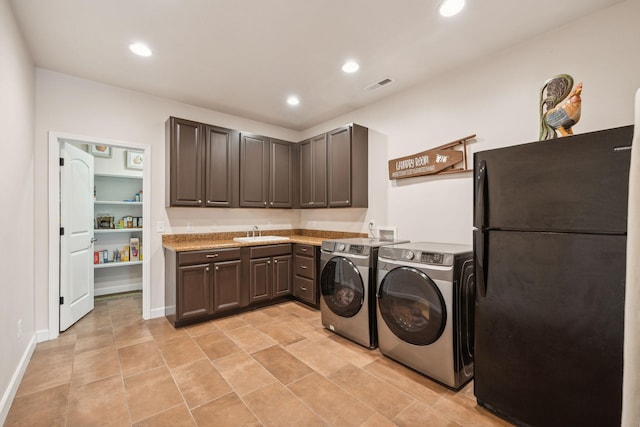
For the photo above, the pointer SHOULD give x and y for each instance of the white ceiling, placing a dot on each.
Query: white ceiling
(245, 57)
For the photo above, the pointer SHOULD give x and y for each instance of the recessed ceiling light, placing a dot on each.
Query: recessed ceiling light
(293, 100)
(140, 49)
(350, 67)
(451, 7)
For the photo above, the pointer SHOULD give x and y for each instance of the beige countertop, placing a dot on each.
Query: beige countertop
(198, 242)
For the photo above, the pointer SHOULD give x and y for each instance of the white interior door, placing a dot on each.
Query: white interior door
(76, 244)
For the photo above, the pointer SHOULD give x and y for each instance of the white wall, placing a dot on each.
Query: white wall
(496, 98)
(80, 107)
(17, 104)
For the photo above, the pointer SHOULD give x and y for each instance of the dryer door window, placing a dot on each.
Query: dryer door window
(342, 288)
(412, 306)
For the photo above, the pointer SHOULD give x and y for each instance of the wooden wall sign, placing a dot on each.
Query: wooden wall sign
(439, 160)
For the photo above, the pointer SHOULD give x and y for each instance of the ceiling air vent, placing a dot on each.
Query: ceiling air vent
(383, 82)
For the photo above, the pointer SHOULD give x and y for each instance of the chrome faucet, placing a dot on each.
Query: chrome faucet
(253, 232)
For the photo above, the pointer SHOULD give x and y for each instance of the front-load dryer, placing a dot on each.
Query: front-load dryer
(425, 295)
(348, 269)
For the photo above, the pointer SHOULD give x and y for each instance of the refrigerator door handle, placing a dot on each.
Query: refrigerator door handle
(479, 249)
(481, 184)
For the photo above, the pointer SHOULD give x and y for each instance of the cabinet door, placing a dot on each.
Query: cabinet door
(194, 292)
(304, 289)
(281, 173)
(221, 167)
(254, 170)
(227, 285)
(282, 270)
(339, 159)
(259, 279)
(313, 172)
(305, 266)
(184, 168)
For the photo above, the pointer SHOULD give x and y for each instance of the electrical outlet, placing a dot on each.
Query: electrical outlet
(160, 227)
(189, 227)
(372, 223)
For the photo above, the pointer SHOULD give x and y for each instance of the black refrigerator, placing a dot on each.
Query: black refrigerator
(550, 221)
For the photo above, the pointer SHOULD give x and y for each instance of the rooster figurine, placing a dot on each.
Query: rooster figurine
(559, 109)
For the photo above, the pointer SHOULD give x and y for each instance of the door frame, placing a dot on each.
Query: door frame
(54, 221)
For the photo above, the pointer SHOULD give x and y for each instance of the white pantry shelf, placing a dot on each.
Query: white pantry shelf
(117, 230)
(116, 202)
(117, 264)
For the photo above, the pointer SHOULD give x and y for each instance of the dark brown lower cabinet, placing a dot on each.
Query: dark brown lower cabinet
(306, 264)
(270, 269)
(200, 284)
(194, 292)
(227, 285)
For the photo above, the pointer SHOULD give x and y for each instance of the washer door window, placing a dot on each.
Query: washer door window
(412, 306)
(342, 287)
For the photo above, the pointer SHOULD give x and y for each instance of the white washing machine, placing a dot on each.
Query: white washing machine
(348, 269)
(426, 295)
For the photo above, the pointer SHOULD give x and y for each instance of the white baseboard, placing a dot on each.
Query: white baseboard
(117, 289)
(10, 393)
(42, 335)
(156, 312)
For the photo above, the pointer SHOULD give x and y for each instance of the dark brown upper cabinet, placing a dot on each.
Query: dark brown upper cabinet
(202, 165)
(221, 167)
(266, 172)
(313, 172)
(348, 167)
(210, 166)
(184, 145)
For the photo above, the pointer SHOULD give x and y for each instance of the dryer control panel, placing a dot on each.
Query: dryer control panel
(417, 256)
(432, 258)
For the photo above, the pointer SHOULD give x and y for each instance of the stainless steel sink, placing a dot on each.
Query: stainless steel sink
(260, 239)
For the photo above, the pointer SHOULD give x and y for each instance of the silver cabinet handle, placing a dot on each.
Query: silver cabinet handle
(275, 261)
(302, 288)
(199, 201)
(347, 201)
(206, 269)
(217, 268)
(303, 249)
(212, 255)
(310, 203)
(304, 267)
(265, 203)
(208, 201)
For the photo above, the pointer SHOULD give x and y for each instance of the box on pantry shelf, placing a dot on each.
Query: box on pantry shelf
(104, 221)
(134, 244)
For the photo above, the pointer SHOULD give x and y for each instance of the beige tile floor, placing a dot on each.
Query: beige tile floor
(274, 366)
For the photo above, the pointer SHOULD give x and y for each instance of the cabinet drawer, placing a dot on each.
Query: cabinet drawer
(214, 255)
(304, 289)
(305, 266)
(306, 250)
(269, 250)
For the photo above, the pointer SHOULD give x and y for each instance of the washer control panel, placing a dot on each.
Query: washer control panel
(346, 248)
